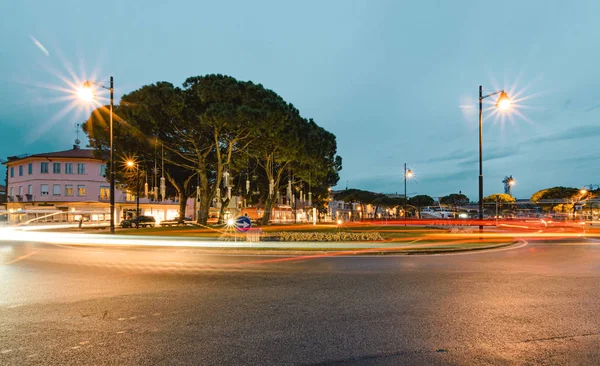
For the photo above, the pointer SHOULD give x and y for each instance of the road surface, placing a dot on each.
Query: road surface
(539, 303)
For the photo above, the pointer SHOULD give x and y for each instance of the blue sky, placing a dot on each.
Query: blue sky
(396, 81)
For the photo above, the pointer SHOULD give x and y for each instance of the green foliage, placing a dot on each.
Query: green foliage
(356, 196)
(499, 197)
(213, 124)
(455, 199)
(563, 207)
(421, 200)
(554, 194)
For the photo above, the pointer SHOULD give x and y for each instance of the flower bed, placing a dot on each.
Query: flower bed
(316, 236)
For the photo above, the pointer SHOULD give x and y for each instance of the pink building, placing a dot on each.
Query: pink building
(66, 186)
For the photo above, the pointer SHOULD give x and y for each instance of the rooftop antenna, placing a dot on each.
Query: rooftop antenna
(77, 141)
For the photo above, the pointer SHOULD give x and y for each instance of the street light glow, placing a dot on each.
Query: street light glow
(409, 173)
(86, 93)
(130, 163)
(583, 191)
(230, 222)
(503, 102)
(512, 182)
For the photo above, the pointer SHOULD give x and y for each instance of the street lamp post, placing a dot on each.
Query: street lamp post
(590, 188)
(407, 174)
(511, 183)
(131, 163)
(87, 94)
(502, 103)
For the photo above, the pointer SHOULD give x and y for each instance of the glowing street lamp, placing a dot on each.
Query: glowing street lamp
(87, 95)
(511, 183)
(503, 103)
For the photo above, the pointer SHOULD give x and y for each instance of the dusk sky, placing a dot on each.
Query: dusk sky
(395, 81)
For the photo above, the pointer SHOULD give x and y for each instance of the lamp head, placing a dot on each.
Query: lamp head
(503, 101)
(86, 93)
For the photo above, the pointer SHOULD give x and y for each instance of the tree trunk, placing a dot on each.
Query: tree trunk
(267, 214)
(224, 205)
(203, 208)
(182, 206)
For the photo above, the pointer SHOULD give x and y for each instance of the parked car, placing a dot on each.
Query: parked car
(175, 221)
(142, 221)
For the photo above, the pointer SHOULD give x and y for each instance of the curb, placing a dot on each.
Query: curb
(347, 251)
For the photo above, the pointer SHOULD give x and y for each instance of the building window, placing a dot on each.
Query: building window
(20, 190)
(56, 190)
(56, 168)
(44, 168)
(68, 190)
(81, 190)
(30, 168)
(68, 168)
(129, 197)
(20, 170)
(104, 193)
(103, 170)
(81, 168)
(12, 171)
(44, 190)
(12, 191)
(30, 189)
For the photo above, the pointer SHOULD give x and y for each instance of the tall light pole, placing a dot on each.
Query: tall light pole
(131, 163)
(86, 93)
(511, 183)
(587, 189)
(502, 103)
(407, 174)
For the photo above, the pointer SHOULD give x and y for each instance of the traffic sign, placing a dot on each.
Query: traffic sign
(243, 224)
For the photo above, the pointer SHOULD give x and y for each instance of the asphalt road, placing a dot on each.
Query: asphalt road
(537, 304)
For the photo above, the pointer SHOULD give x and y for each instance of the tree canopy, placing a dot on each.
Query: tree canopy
(499, 197)
(421, 200)
(554, 193)
(214, 132)
(455, 199)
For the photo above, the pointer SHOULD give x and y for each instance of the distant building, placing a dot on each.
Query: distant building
(66, 186)
(353, 211)
(2, 201)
